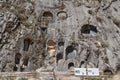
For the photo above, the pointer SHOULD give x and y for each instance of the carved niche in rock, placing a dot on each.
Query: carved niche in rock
(62, 15)
(108, 71)
(59, 57)
(25, 62)
(88, 29)
(71, 66)
(47, 14)
(45, 19)
(69, 51)
(17, 61)
(61, 45)
(27, 42)
(51, 47)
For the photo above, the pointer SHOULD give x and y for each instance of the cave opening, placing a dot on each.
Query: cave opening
(51, 43)
(45, 19)
(82, 63)
(17, 58)
(25, 62)
(69, 49)
(70, 65)
(27, 43)
(51, 47)
(17, 61)
(47, 14)
(87, 29)
(59, 57)
(108, 72)
(43, 29)
(25, 59)
(61, 43)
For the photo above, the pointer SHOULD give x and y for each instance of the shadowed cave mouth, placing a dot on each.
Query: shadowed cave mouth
(69, 49)
(43, 28)
(59, 57)
(25, 62)
(87, 29)
(47, 14)
(61, 43)
(108, 72)
(27, 42)
(71, 64)
(82, 63)
(17, 61)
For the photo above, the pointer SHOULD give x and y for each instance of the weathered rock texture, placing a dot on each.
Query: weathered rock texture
(59, 34)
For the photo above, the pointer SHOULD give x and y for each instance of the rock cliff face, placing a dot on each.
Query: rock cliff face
(59, 35)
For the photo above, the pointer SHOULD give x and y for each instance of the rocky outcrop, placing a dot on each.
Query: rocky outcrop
(57, 35)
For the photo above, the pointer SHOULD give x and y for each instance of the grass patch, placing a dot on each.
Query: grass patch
(107, 77)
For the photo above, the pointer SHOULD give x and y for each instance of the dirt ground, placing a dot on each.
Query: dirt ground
(117, 76)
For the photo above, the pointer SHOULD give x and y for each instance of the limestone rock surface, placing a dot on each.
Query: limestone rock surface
(59, 35)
